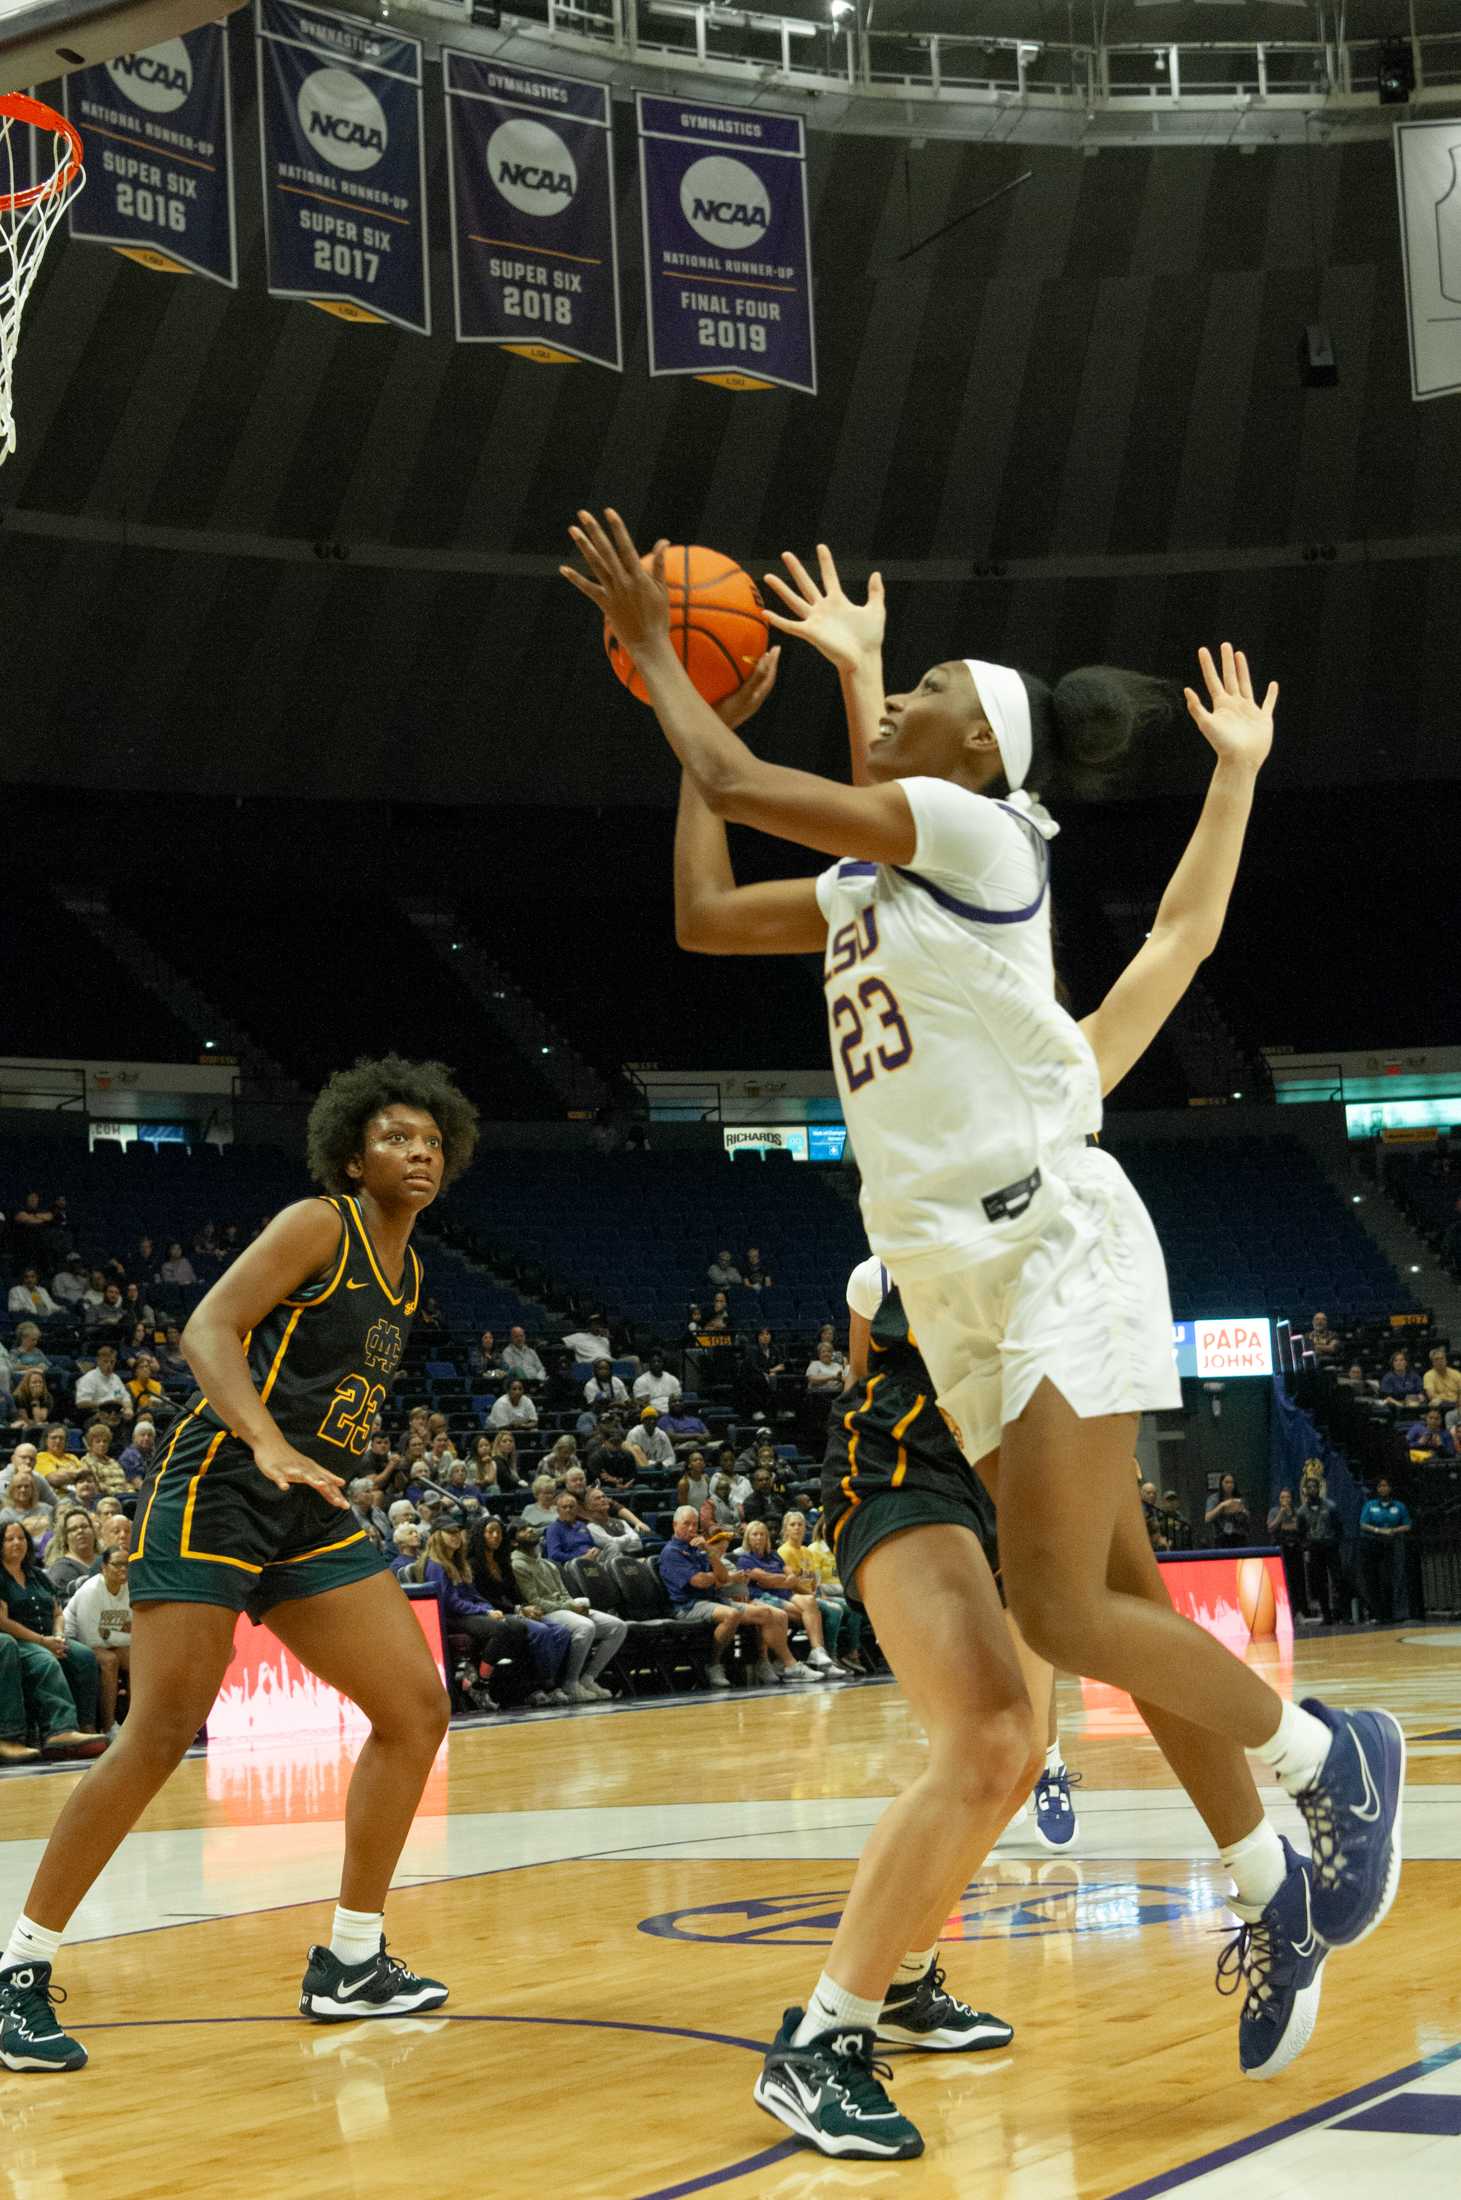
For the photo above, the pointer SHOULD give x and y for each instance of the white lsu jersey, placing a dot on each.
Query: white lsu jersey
(960, 1074)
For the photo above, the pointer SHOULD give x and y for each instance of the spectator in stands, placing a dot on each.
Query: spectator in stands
(826, 1374)
(143, 1385)
(754, 1276)
(702, 1587)
(1429, 1437)
(1353, 1379)
(109, 1319)
(1286, 1529)
(1322, 1339)
(726, 1463)
(101, 1389)
(723, 1272)
(614, 1528)
(597, 1636)
(144, 1260)
(761, 1371)
(514, 1409)
(413, 1456)
(481, 1467)
(96, 1286)
(576, 1482)
(617, 1460)
(87, 1488)
(72, 1551)
(510, 1473)
(771, 1582)
(519, 1358)
(31, 1404)
(137, 1341)
(719, 1319)
(568, 1538)
(177, 1269)
(22, 1490)
(766, 1501)
(58, 1678)
(170, 1359)
(97, 1460)
(1384, 1523)
(364, 1504)
(99, 1616)
(592, 1342)
(138, 1308)
(1442, 1382)
(647, 1441)
(1400, 1384)
(30, 1296)
(135, 1458)
(693, 1487)
(26, 1352)
(683, 1427)
(34, 1221)
(1227, 1516)
(492, 1634)
(604, 1388)
(489, 1561)
(1322, 1570)
(817, 1561)
(485, 1360)
(68, 1283)
(561, 1454)
(721, 1501)
(543, 1509)
(1151, 1514)
(406, 1545)
(657, 1387)
(55, 1461)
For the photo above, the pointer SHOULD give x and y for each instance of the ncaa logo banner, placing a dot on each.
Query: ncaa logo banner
(535, 258)
(158, 131)
(344, 165)
(727, 260)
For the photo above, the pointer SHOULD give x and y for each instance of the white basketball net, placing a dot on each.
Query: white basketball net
(31, 204)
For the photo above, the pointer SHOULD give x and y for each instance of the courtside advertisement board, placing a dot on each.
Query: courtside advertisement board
(534, 250)
(158, 131)
(1224, 1347)
(727, 254)
(344, 165)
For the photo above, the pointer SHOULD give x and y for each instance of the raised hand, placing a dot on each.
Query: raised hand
(750, 695)
(629, 590)
(826, 616)
(1237, 727)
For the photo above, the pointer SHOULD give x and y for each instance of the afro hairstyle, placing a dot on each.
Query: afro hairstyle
(338, 1118)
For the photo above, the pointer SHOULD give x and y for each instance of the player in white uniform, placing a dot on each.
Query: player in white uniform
(1025, 1261)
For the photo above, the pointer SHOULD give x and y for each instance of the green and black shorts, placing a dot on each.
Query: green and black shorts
(212, 1530)
(887, 1495)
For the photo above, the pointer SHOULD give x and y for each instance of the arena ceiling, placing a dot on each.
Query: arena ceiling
(248, 545)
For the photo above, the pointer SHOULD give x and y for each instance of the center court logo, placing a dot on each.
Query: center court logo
(725, 202)
(990, 1910)
(532, 167)
(159, 80)
(342, 118)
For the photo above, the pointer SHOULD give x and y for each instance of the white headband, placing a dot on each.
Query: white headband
(1006, 704)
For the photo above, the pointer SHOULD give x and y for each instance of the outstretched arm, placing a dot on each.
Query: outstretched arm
(1190, 917)
(714, 916)
(849, 635)
(875, 823)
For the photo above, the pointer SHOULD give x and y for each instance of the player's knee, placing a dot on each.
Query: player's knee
(973, 1778)
(1059, 1630)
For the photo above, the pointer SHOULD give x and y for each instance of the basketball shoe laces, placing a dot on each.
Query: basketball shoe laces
(861, 2078)
(1316, 1805)
(36, 2006)
(1247, 1961)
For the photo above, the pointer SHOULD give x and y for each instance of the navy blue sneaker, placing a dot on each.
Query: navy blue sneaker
(830, 2094)
(928, 2016)
(1276, 1956)
(1055, 1819)
(30, 2037)
(1352, 1812)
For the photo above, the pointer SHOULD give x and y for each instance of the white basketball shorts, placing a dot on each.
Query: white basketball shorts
(1082, 1302)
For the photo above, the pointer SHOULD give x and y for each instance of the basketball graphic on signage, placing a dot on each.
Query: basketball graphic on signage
(1256, 1600)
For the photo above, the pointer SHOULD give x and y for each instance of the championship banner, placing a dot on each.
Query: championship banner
(344, 165)
(1428, 177)
(158, 129)
(534, 249)
(727, 260)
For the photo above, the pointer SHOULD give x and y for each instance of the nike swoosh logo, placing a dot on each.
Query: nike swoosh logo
(1309, 1945)
(348, 1993)
(357, 1286)
(1368, 1811)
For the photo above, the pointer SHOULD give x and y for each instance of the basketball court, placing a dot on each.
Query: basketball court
(623, 1901)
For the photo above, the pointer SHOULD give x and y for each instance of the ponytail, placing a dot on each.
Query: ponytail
(1085, 729)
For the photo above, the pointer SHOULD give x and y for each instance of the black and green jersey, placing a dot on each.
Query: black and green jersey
(323, 1361)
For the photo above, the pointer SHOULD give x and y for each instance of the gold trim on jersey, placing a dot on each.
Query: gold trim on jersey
(185, 1547)
(284, 1343)
(415, 1299)
(900, 1430)
(162, 1466)
(320, 1297)
(853, 1436)
(395, 1297)
(324, 1550)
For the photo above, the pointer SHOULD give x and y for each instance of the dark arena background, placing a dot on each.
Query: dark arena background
(1123, 340)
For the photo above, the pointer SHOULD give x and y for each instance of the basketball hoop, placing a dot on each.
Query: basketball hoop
(28, 214)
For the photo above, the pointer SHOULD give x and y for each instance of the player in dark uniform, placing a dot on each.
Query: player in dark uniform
(294, 1349)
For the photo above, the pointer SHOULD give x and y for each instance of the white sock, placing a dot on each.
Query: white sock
(830, 2009)
(914, 1966)
(355, 1935)
(1298, 1748)
(1257, 1865)
(1054, 1762)
(29, 1943)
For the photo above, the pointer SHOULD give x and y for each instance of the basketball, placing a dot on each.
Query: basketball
(716, 620)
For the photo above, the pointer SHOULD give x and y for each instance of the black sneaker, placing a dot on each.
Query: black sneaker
(830, 2094)
(924, 2015)
(380, 1987)
(30, 2038)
